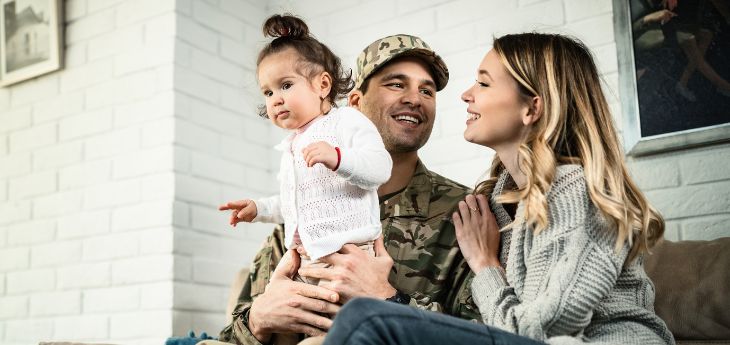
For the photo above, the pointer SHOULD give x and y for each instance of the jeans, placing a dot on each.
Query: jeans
(369, 321)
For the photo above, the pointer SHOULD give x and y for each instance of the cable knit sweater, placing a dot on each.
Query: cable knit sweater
(330, 208)
(567, 284)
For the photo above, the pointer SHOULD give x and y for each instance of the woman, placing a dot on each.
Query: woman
(574, 226)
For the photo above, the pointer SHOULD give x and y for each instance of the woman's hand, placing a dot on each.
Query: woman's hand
(477, 233)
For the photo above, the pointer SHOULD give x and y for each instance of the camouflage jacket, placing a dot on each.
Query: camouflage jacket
(418, 235)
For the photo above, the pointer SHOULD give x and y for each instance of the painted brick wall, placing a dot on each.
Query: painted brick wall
(223, 151)
(461, 31)
(691, 188)
(86, 183)
(111, 169)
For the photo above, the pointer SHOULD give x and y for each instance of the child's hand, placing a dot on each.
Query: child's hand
(243, 210)
(320, 152)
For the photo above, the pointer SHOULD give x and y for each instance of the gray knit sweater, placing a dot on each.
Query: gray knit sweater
(567, 284)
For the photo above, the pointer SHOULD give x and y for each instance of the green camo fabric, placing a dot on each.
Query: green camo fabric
(418, 235)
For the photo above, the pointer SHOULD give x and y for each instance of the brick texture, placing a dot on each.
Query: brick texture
(111, 169)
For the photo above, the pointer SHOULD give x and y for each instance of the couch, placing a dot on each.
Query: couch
(692, 282)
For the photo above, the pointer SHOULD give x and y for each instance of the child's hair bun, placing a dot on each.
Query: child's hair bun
(285, 25)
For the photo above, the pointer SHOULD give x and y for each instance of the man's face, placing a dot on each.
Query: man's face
(401, 102)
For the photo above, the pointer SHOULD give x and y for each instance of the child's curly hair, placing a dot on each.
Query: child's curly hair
(291, 32)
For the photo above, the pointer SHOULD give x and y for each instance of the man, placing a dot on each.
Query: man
(417, 261)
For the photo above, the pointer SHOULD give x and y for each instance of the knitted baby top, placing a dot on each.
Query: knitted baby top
(330, 208)
(567, 284)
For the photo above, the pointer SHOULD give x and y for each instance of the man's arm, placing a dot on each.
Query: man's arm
(272, 303)
(264, 264)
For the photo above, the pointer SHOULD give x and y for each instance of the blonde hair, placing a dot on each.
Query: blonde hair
(575, 127)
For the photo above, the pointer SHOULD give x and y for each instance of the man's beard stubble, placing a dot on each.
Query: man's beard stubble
(396, 144)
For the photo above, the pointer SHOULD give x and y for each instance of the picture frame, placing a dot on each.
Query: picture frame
(657, 117)
(31, 40)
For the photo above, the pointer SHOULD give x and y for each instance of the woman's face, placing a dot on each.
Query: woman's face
(495, 106)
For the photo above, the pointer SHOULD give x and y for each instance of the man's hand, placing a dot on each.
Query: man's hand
(287, 306)
(243, 210)
(320, 152)
(354, 273)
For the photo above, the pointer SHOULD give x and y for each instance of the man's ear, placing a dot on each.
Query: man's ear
(534, 111)
(354, 98)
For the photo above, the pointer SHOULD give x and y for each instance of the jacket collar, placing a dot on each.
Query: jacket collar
(285, 143)
(414, 200)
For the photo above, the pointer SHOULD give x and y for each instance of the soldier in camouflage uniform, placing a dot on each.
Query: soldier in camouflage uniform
(427, 269)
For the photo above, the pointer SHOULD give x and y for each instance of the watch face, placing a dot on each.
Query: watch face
(400, 298)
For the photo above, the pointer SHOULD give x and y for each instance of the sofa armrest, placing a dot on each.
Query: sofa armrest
(692, 283)
(235, 291)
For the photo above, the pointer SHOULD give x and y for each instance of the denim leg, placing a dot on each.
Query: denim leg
(368, 321)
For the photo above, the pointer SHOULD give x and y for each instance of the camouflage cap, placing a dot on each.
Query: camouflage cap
(378, 53)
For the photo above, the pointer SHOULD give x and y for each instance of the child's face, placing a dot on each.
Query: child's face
(292, 100)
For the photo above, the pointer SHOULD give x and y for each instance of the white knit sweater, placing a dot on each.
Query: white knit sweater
(567, 284)
(330, 208)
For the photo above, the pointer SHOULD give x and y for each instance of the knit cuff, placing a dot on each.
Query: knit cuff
(263, 212)
(488, 281)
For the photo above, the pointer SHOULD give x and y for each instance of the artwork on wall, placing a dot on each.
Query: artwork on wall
(30, 39)
(674, 73)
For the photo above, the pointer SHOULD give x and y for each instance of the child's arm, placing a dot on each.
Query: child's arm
(269, 210)
(265, 210)
(362, 159)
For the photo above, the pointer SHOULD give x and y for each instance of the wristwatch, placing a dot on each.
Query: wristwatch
(400, 298)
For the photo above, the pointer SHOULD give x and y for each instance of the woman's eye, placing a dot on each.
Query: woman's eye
(482, 84)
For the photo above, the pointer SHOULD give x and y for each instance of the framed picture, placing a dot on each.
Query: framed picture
(30, 39)
(674, 73)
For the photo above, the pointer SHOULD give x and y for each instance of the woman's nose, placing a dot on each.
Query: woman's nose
(466, 96)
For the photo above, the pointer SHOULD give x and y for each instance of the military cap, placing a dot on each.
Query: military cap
(378, 53)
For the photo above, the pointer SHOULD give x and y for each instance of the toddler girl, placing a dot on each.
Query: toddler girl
(334, 159)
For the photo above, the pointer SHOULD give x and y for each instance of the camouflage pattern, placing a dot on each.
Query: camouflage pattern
(378, 53)
(418, 235)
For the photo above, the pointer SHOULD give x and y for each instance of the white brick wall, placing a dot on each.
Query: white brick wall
(221, 146)
(690, 187)
(112, 168)
(86, 180)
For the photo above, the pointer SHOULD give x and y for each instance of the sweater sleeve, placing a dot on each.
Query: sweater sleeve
(268, 210)
(364, 161)
(575, 265)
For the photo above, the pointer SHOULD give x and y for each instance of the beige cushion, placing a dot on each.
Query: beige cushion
(692, 280)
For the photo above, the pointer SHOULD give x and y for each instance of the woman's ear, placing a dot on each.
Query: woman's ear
(534, 111)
